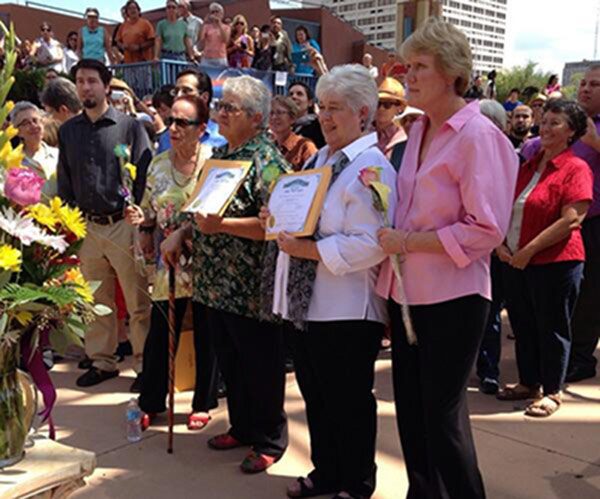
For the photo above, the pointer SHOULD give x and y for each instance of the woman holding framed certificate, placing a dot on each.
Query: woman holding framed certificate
(326, 286)
(171, 178)
(227, 268)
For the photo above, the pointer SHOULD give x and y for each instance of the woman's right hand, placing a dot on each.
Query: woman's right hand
(503, 253)
(263, 216)
(134, 215)
(171, 248)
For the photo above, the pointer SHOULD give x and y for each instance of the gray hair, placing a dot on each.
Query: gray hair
(20, 107)
(216, 6)
(61, 92)
(494, 111)
(254, 96)
(354, 84)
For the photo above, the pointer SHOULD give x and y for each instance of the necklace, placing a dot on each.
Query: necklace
(193, 175)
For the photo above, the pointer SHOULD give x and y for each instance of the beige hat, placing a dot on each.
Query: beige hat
(410, 110)
(391, 89)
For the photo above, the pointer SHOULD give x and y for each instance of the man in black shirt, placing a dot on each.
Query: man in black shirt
(521, 122)
(89, 176)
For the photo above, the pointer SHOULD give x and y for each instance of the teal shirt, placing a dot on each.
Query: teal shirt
(172, 35)
(93, 43)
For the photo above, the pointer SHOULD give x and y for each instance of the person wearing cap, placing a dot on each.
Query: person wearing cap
(408, 117)
(537, 107)
(390, 137)
(93, 41)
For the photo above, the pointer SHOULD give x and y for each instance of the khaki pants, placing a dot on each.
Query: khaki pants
(106, 253)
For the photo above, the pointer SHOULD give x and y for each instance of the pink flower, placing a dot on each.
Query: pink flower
(369, 175)
(23, 186)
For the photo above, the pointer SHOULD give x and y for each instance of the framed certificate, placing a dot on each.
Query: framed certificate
(216, 187)
(296, 202)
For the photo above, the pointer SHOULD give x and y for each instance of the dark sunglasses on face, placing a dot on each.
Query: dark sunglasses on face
(171, 6)
(181, 122)
(386, 104)
(46, 29)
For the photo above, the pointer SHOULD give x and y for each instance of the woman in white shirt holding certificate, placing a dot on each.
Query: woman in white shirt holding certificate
(325, 287)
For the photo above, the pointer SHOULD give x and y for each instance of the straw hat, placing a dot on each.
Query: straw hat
(391, 89)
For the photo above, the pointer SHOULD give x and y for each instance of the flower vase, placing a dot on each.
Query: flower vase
(17, 407)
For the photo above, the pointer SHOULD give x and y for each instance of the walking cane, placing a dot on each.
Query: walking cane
(171, 355)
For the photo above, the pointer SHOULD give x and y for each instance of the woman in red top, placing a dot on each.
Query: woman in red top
(545, 255)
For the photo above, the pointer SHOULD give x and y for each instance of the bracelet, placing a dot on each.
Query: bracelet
(403, 245)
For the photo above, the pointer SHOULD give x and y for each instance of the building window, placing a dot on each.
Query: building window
(408, 27)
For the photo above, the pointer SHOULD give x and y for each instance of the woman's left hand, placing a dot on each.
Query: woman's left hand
(521, 258)
(390, 240)
(208, 224)
(289, 244)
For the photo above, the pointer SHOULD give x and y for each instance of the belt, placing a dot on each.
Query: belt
(104, 219)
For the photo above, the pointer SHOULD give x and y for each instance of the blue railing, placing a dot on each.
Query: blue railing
(147, 77)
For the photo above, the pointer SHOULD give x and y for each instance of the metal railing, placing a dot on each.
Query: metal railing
(145, 78)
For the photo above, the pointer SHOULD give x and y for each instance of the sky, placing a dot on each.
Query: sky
(550, 32)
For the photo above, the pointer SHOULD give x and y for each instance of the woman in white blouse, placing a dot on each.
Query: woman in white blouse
(325, 287)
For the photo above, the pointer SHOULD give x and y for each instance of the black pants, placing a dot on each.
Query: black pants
(586, 318)
(156, 358)
(251, 358)
(430, 382)
(540, 300)
(335, 372)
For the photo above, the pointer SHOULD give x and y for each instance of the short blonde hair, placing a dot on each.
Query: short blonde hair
(286, 102)
(448, 45)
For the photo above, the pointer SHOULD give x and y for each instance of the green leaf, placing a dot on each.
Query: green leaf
(4, 278)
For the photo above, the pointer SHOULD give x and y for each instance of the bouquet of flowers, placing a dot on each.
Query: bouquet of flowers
(371, 178)
(44, 299)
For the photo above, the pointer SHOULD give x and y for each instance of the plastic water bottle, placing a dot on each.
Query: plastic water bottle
(134, 421)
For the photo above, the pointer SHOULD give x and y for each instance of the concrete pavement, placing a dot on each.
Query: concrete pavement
(519, 457)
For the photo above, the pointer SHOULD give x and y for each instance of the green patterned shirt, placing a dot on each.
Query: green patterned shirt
(228, 269)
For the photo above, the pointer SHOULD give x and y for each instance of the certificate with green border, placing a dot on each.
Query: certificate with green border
(217, 186)
(296, 202)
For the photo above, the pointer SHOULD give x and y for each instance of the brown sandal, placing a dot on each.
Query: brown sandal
(544, 407)
(519, 392)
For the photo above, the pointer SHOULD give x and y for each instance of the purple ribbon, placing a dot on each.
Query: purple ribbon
(34, 363)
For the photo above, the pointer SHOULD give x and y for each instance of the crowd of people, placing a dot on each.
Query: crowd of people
(180, 36)
(492, 206)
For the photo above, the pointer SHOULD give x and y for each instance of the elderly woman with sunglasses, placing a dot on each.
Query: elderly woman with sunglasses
(171, 178)
(228, 266)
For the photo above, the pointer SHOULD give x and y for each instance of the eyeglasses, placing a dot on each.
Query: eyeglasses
(46, 30)
(27, 123)
(239, 23)
(386, 104)
(171, 6)
(181, 122)
(228, 107)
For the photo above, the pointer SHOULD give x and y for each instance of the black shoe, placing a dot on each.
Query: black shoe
(85, 363)
(136, 386)
(95, 376)
(124, 349)
(577, 373)
(489, 386)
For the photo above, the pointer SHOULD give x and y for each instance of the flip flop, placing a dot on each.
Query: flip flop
(197, 421)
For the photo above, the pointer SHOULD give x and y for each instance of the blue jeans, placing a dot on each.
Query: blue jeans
(540, 301)
(488, 359)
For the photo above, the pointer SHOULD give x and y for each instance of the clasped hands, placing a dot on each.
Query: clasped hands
(519, 260)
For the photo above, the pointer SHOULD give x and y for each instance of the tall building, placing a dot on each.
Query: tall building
(387, 23)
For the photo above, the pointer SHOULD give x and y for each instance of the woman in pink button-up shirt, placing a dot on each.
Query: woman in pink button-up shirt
(455, 191)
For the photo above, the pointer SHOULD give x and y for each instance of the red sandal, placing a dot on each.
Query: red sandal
(197, 421)
(257, 463)
(147, 419)
(224, 442)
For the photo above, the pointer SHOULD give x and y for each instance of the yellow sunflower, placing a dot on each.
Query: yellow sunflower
(73, 220)
(43, 215)
(82, 287)
(10, 258)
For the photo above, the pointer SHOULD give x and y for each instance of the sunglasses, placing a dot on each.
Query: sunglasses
(386, 104)
(181, 122)
(171, 6)
(46, 30)
(227, 107)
